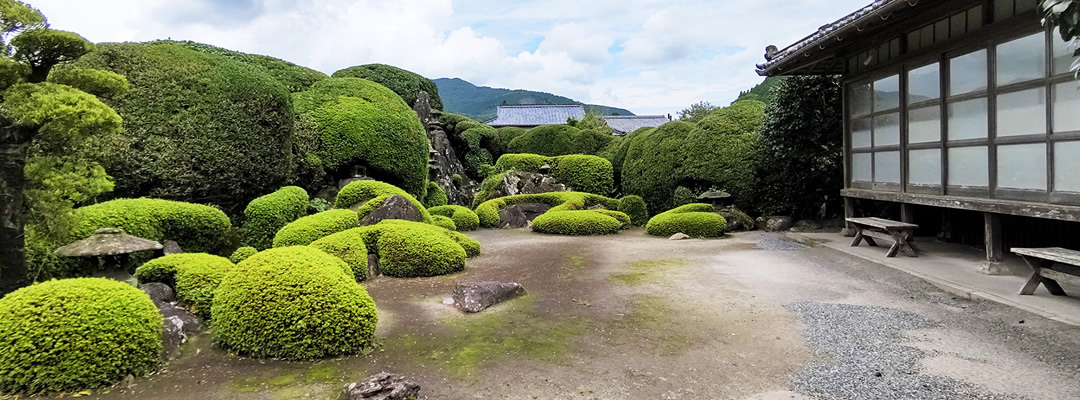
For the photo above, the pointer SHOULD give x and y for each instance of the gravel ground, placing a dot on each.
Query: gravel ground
(778, 242)
(865, 357)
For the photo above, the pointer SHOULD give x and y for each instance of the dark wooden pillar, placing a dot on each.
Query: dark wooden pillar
(995, 249)
(849, 212)
(907, 213)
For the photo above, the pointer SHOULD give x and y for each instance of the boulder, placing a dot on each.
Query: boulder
(523, 182)
(395, 207)
(805, 225)
(171, 247)
(679, 236)
(159, 293)
(383, 386)
(444, 164)
(736, 220)
(179, 324)
(373, 265)
(476, 296)
(521, 215)
(773, 223)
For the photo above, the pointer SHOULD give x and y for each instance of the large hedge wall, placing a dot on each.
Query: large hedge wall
(695, 220)
(745, 116)
(266, 215)
(488, 211)
(557, 140)
(411, 249)
(406, 84)
(74, 334)
(464, 218)
(316, 226)
(361, 123)
(195, 227)
(294, 77)
(201, 128)
(294, 303)
(194, 276)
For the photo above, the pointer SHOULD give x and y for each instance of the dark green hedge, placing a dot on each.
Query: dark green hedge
(557, 140)
(406, 84)
(695, 220)
(201, 127)
(464, 218)
(194, 276)
(294, 77)
(635, 208)
(741, 117)
(195, 227)
(359, 122)
(347, 245)
(266, 215)
(411, 249)
(293, 303)
(488, 211)
(577, 222)
(316, 226)
(74, 334)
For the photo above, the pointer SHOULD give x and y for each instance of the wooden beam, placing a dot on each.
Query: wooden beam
(995, 249)
(1006, 207)
(907, 213)
(849, 212)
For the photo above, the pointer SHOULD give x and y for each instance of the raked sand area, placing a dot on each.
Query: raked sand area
(630, 316)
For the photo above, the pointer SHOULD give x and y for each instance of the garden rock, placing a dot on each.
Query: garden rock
(171, 247)
(395, 207)
(383, 386)
(159, 293)
(179, 324)
(373, 265)
(773, 223)
(805, 225)
(679, 236)
(521, 215)
(476, 296)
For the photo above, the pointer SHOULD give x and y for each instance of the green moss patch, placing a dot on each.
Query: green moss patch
(643, 272)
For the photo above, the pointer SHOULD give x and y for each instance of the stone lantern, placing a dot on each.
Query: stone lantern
(114, 247)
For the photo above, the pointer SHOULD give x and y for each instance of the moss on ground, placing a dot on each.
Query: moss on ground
(573, 265)
(642, 272)
(657, 326)
(291, 383)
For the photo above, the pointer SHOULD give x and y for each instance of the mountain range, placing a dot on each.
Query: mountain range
(479, 102)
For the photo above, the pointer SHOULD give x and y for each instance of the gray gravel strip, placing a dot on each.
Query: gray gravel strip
(779, 241)
(863, 356)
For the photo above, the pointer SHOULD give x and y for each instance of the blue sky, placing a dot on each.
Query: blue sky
(649, 56)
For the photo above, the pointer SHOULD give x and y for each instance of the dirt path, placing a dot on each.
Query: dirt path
(635, 317)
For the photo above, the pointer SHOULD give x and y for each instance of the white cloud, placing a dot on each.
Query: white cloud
(650, 56)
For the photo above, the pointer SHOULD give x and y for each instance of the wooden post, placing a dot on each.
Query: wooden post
(995, 248)
(849, 212)
(907, 213)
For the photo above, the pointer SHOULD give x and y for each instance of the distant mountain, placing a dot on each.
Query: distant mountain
(479, 102)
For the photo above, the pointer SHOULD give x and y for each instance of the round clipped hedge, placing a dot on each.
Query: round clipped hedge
(443, 222)
(347, 245)
(73, 334)
(359, 192)
(194, 276)
(242, 254)
(266, 215)
(576, 222)
(361, 123)
(294, 77)
(201, 127)
(624, 220)
(744, 116)
(314, 227)
(584, 173)
(488, 211)
(436, 196)
(293, 303)
(634, 206)
(464, 219)
(557, 140)
(411, 249)
(406, 84)
(695, 220)
(196, 228)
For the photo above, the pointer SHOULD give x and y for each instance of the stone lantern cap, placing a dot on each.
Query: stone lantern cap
(107, 242)
(714, 195)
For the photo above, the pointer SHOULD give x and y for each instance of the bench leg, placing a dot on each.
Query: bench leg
(892, 250)
(1036, 278)
(1031, 284)
(1053, 287)
(858, 237)
(903, 242)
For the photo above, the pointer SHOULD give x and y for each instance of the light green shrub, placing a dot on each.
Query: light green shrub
(196, 228)
(584, 173)
(74, 334)
(410, 249)
(695, 220)
(347, 245)
(635, 207)
(557, 140)
(624, 220)
(266, 215)
(576, 222)
(314, 227)
(444, 222)
(242, 254)
(293, 303)
(436, 196)
(194, 276)
(488, 211)
(464, 219)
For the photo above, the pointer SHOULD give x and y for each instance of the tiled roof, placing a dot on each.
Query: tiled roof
(626, 124)
(535, 115)
(827, 33)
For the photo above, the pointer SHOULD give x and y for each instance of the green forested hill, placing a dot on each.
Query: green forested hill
(479, 102)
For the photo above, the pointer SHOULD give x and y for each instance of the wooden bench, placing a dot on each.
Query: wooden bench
(1050, 265)
(901, 233)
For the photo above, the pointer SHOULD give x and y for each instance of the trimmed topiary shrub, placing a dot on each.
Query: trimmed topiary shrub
(196, 228)
(348, 245)
(444, 222)
(523, 162)
(436, 196)
(576, 222)
(294, 303)
(266, 215)
(411, 249)
(361, 123)
(406, 84)
(488, 211)
(294, 77)
(590, 174)
(464, 219)
(314, 227)
(557, 140)
(634, 207)
(682, 196)
(194, 276)
(695, 220)
(242, 254)
(624, 220)
(741, 117)
(201, 127)
(73, 334)
(360, 192)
